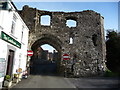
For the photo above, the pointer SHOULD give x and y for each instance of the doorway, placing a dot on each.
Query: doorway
(10, 62)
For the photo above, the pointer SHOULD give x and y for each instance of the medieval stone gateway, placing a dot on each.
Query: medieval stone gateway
(84, 42)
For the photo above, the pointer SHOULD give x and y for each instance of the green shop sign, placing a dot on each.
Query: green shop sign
(9, 39)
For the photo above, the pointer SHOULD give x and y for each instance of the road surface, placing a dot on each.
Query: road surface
(51, 81)
(39, 81)
(107, 83)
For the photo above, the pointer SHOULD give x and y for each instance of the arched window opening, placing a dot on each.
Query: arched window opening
(71, 40)
(71, 23)
(45, 20)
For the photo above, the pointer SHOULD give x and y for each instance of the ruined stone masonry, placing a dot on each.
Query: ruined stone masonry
(87, 51)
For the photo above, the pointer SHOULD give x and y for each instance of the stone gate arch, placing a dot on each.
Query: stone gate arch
(51, 40)
(47, 39)
(87, 51)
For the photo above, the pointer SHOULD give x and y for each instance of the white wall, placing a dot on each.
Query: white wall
(20, 57)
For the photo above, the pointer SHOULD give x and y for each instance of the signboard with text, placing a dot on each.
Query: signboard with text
(2, 67)
(9, 39)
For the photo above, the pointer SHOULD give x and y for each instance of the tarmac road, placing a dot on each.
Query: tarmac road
(39, 81)
(51, 81)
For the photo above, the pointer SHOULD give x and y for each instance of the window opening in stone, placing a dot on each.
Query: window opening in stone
(71, 23)
(71, 40)
(45, 20)
(94, 39)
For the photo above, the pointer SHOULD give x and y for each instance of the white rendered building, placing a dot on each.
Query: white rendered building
(13, 40)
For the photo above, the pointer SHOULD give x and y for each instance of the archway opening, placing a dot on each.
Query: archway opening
(46, 58)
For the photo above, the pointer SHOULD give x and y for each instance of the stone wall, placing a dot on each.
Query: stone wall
(87, 52)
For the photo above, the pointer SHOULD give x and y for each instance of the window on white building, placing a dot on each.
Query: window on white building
(12, 27)
(13, 24)
(1, 20)
(22, 33)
